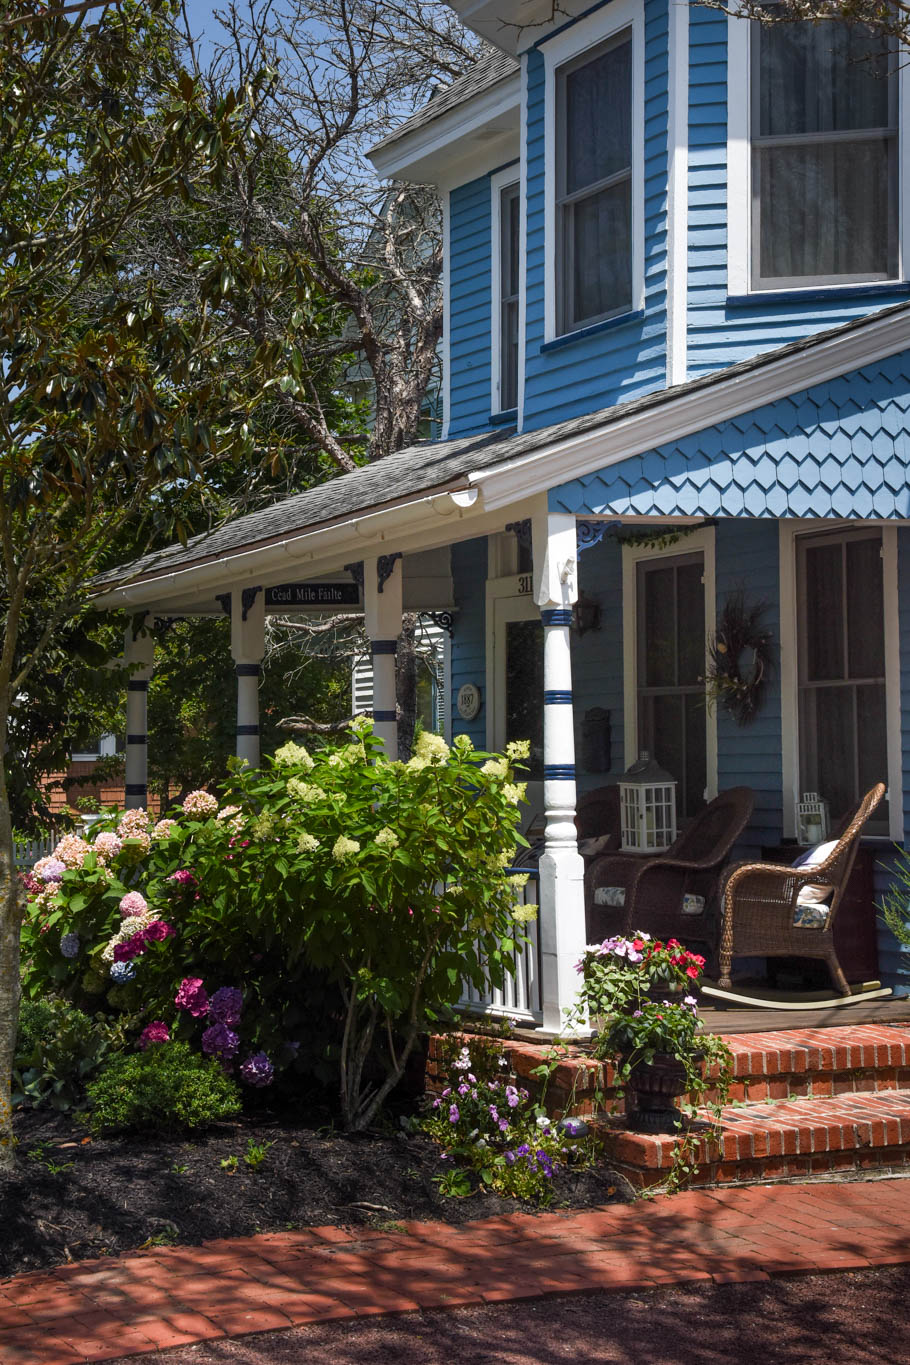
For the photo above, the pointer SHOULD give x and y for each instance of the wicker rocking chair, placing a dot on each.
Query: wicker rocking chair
(653, 888)
(760, 904)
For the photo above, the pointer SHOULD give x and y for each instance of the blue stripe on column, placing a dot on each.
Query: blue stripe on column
(385, 717)
(556, 616)
(384, 646)
(247, 730)
(137, 739)
(136, 789)
(248, 670)
(556, 698)
(559, 772)
(137, 685)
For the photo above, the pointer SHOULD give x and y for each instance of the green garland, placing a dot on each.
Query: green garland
(741, 659)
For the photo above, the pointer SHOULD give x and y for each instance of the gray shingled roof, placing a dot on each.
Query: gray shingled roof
(432, 466)
(486, 73)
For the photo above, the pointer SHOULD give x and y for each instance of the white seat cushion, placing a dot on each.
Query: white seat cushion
(813, 896)
(615, 898)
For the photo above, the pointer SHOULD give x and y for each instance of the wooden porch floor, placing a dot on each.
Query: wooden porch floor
(745, 1019)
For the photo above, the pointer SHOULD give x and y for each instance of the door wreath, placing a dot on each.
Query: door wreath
(740, 659)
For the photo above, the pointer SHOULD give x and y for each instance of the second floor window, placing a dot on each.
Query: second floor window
(824, 155)
(508, 296)
(594, 184)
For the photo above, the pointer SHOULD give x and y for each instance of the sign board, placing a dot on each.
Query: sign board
(287, 596)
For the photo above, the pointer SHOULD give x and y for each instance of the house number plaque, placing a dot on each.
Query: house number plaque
(468, 702)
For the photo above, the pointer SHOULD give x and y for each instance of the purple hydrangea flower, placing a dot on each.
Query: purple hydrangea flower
(52, 870)
(226, 1006)
(69, 945)
(220, 1041)
(121, 972)
(257, 1070)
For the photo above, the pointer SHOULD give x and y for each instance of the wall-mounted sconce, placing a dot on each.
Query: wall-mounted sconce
(586, 614)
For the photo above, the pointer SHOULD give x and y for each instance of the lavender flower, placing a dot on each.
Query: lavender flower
(453, 1114)
(122, 972)
(69, 945)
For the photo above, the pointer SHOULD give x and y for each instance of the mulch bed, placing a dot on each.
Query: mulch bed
(73, 1199)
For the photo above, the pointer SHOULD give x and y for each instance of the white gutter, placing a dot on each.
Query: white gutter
(689, 412)
(235, 568)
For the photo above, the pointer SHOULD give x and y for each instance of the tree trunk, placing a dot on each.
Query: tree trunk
(406, 685)
(11, 906)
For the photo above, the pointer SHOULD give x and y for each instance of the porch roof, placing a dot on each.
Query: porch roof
(443, 475)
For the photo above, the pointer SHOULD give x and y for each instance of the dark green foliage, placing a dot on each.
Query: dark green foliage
(58, 1050)
(165, 1087)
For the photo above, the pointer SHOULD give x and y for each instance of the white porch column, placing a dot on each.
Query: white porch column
(247, 648)
(382, 621)
(562, 899)
(138, 655)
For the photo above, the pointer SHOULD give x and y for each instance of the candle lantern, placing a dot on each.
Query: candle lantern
(812, 822)
(647, 798)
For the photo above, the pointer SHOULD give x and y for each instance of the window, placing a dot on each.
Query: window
(509, 238)
(843, 744)
(824, 155)
(672, 713)
(594, 185)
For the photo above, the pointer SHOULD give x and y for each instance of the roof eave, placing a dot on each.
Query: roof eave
(429, 154)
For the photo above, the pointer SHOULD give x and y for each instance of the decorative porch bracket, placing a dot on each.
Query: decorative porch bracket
(590, 533)
(562, 898)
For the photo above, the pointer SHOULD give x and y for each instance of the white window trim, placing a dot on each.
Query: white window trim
(739, 171)
(699, 542)
(789, 677)
(500, 181)
(590, 33)
(107, 745)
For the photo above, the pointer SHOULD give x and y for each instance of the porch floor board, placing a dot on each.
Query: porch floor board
(743, 1019)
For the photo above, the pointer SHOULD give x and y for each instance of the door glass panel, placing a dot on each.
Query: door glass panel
(660, 632)
(690, 613)
(524, 690)
(824, 613)
(828, 723)
(871, 736)
(865, 609)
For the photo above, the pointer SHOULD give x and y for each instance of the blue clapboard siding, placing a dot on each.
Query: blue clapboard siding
(629, 359)
(470, 275)
(747, 557)
(719, 333)
(840, 449)
(894, 960)
(597, 666)
(469, 579)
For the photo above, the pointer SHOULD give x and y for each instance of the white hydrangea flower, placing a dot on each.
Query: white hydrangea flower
(362, 725)
(293, 755)
(307, 843)
(417, 763)
(432, 747)
(304, 791)
(515, 791)
(200, 803)
(387, 838)
(524, 914)
(518, 748)
(344, 848)
(495, 767)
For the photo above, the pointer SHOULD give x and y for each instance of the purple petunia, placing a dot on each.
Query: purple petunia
(257, 1070)
(453, 1114)
(220, 1041)
(226, 1006)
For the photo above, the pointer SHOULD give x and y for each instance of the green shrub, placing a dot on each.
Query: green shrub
(58, 1050)
(166, 1086)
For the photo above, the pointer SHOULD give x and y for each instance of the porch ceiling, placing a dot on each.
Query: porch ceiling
(435, 494)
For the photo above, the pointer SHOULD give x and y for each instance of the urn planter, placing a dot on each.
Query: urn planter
(653, 1088)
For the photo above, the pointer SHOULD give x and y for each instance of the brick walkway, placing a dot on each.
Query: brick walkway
(101, 1310)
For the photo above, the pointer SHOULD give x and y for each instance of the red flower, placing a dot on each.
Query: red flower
(692, 971)
(638, 944)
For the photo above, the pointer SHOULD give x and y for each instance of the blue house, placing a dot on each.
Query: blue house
(676, 383)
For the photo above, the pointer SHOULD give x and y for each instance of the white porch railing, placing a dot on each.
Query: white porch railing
(520, 997)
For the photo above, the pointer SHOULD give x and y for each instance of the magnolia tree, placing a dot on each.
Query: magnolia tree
(389, 880)
(107, 399)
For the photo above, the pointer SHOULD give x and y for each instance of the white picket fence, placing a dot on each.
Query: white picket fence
(520, 996)
(27, 851)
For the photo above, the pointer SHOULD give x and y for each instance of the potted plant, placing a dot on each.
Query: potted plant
(641, 995)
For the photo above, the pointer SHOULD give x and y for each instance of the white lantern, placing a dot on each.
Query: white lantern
(812, 821)
(647, 799)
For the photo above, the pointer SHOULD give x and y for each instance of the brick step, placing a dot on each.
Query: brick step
(786, 1140)
(816, 1063)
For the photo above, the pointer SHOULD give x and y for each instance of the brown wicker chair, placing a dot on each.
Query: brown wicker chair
(760, 899)
(596, 823)
(655, 885)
